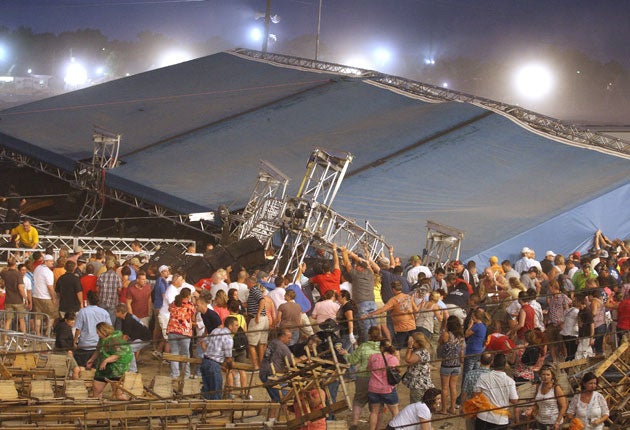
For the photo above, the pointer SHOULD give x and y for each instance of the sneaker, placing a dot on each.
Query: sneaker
(157, 355)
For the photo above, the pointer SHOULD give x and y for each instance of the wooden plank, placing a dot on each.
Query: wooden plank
(146, 413)
(573, 363)
(616, 355)
(181, 358)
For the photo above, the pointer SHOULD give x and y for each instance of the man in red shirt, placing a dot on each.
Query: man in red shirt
(329, 279)
(139, 298)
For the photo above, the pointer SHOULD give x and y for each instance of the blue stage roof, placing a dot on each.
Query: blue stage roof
(192, 135)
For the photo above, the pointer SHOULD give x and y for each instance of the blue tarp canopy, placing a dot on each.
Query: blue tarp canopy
(192, 135)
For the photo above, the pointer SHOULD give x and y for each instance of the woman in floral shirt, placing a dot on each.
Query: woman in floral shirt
(180, 329)
(418, 375)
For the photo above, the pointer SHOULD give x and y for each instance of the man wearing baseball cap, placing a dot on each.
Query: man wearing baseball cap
(547, 263)
(161, 284)
(525, 262)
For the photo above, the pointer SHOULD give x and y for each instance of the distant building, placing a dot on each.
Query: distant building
(24, 83)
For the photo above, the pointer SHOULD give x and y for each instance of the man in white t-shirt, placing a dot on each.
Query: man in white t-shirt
(500, 390)
(277, 294)
(241, 286)
(44, 296)
(417, 267)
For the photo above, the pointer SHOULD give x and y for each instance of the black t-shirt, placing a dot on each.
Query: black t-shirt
(211, 320)
(585, 319)
(343, 322)
(134, 328)
(68, 285)
(64, 339)
(458, 297)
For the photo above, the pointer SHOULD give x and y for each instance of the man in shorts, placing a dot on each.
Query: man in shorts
(258, 327)
(15, 295)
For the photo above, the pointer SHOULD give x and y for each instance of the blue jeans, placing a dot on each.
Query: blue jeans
(199, 354)
(348, 346)
(180, 345)
(470, 363)
(598, 344)
(274, 394)
(365, 324)
(212, 380)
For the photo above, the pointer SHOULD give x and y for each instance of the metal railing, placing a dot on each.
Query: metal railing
(120, 246)
(15, 341)
(28, 317)
(30, 320)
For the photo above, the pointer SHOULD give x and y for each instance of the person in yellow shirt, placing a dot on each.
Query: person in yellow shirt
(25, 235)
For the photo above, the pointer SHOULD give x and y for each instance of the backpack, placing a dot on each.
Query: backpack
(240, 341)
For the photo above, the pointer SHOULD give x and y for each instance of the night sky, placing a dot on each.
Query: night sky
(489, 29)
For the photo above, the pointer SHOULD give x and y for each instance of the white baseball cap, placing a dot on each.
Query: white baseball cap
(162, 268)
(48, 257)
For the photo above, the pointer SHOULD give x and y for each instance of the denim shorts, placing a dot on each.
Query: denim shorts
(383, 399)
(450, 371)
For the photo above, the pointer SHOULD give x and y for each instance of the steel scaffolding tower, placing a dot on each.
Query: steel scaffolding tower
(307, 219)
(442, 246)
(92, 180)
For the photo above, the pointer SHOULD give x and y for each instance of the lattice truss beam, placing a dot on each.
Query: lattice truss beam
(76, 179)
(265, 206)
(533, 120)
(443, 244)
(307, 219)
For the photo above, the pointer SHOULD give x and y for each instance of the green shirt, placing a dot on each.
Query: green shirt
(579, 279)
(362, 354)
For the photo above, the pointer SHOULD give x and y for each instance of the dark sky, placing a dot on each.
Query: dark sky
(492, 29)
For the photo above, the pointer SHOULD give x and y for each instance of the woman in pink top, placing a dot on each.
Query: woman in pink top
(326, 308)
(380, 392)
(220, 305)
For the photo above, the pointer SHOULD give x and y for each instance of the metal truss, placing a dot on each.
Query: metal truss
(265, 206)
(570, 133)
(442, 246)
(118, 245)
(104, 157)
(309, 221)
(41, 225)
(305, 63)
(76, 179)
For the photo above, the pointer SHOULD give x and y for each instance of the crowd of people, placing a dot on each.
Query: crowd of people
(485, 330)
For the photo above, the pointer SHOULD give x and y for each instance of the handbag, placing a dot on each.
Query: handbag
(393, 374)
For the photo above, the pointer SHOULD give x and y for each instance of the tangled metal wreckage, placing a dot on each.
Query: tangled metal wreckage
(35, 393)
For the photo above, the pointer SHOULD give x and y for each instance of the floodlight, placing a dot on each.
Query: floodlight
(201, 216)
(174, 57)
(534, 81)
(75, 74)
(382, 56)
(256, 34)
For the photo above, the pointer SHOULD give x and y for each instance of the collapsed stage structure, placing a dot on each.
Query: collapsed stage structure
(420, 152)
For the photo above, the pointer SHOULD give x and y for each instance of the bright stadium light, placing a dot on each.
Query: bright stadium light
(358, 62)
(174, 57)
(76, 75)
(382, 56)
(256, 34)
(534, 81)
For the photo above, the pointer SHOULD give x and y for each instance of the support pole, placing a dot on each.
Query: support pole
(267, 25)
